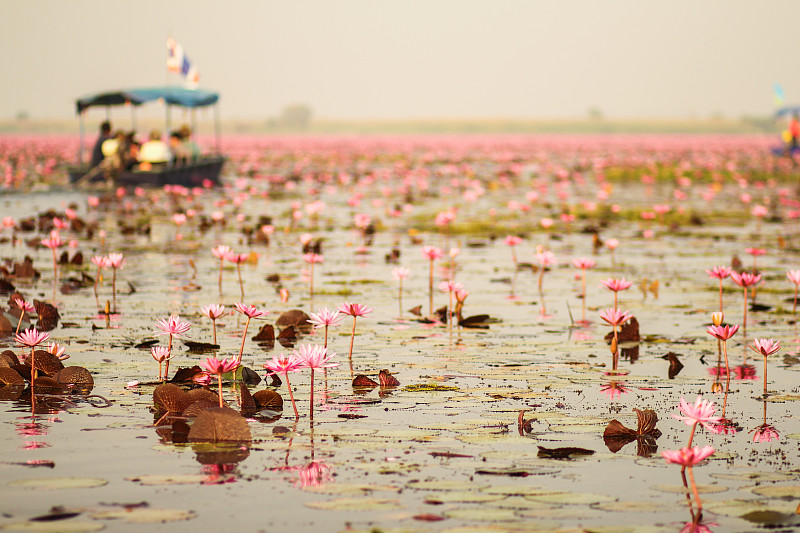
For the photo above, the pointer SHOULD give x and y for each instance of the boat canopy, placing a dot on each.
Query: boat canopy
(788, 110)
(178, 96)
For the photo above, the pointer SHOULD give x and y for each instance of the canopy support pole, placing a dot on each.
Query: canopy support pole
(80, 149)
(133, 117)
(217, 129)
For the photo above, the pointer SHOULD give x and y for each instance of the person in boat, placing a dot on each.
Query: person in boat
(133, 150)
(154, 152)
(114, 151)
(97, 151)
(192, 147)
(794, 133)
(180, 153)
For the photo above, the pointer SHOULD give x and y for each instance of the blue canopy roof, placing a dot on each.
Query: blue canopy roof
(789, 110)
(171, 95)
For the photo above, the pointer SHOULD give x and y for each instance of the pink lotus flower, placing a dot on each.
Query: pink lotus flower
(688, 456)
(250, 311)
(612, 244)
(745, 279)
(59, 351)
(432, 252)
(312, 258)
(325, 317)
(614, 389)
(160, 354)
(314, 474)
(719, 272)
(54, 241)
(584, 263)
(213, 312)
(723, 333)
(615, 317)
(616, 284)
(115, 260)
(701, 412)
(313, 357)
(31, 337)
(221, 251)
(512, 240)
(765, 433)
(401, 273)
(219, 367)
(284, 365)
(766, 346)
(172, 326)
(755, 251)
(354, 310)
(545, 258)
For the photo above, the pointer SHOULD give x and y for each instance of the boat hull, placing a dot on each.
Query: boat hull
(196, 174)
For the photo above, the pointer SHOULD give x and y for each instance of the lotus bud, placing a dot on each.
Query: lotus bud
(717, 318)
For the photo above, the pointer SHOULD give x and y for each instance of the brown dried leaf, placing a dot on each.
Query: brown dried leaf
(9, 376)
(268, 399)
(170, 398)
(265, 334)
(246, 401)
(387, 380)
(363, 382)
(220, 424)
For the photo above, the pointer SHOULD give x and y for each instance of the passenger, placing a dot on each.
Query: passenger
(97, 151)
(191, 147)
(794, 133)
(114, 153)
(180, 154)
(132, 157)
(153, 152)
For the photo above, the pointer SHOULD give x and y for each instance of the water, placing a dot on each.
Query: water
(418, 460)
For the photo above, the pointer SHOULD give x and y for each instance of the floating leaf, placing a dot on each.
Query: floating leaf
(445, 485)
(778, 491)
(220, 424)
(66, 526)
(145, 515)
(56, 483)
(461, 497)
(159, 479)
(680, 489)
(563, 453)
(483, 514)
(356, 504)
(572, 498)
(350, 488)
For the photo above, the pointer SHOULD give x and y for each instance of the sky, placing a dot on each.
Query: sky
(413, 59)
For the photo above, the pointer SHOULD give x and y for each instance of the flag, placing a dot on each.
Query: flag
(778, 96)
(178, 62)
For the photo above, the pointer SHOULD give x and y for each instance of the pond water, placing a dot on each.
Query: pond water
(443, 451)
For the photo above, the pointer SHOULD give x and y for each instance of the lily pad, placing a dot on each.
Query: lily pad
(462, 497)
(145, 515)
(356, 504)
(572, 498)
(680, 489)
(56, 483)
(177, 479)
(778, 491)
(482, 514)
(339, 489)
(61, 526)
(446, 485)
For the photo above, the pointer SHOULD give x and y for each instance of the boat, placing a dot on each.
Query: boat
(200, 172)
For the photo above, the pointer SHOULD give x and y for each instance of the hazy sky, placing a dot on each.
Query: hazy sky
(387, 59)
